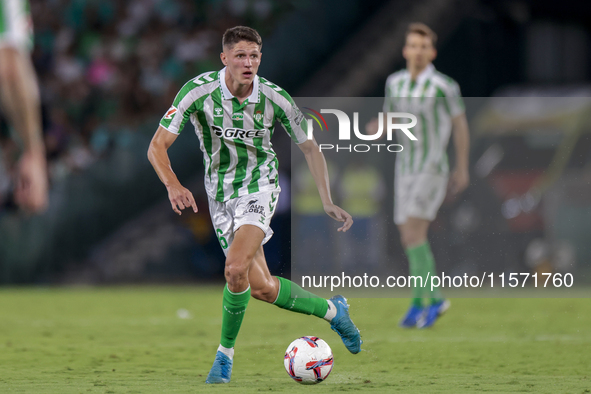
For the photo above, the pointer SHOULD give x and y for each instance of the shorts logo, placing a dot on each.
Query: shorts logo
(252, 207)
(170, 113)
(258, 116)
(218, 112)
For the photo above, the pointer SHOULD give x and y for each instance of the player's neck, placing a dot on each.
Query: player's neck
(415, 71)
(238, 90)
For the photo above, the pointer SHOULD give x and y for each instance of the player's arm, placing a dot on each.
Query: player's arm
(19, 96)
(317, 166)
(180, 197)
(460, 177)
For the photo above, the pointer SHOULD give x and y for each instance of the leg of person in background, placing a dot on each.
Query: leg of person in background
(247, 274)
(413, 235)
(19, 99)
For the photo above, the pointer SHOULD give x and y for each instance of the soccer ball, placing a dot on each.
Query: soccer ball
(308, 360)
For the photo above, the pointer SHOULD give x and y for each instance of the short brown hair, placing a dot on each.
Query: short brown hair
(236, 34)
(423, 30)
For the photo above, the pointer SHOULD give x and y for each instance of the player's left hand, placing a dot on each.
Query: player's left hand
(458, 182)
(340, 215)
(31, 184)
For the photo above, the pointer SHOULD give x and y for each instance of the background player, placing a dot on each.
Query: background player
(422, 170)
(19, 99)
(234, 112)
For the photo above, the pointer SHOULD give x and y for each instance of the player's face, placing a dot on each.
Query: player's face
(242, 61)
(418, 51)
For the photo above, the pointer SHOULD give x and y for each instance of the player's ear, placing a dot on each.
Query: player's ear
(404, 53)
(433, 54)
(223, 59)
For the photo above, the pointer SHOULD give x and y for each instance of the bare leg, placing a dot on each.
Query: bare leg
(245, 246)
(264, 286)
(413, 232)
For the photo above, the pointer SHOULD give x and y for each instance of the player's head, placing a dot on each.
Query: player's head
(419, 48)
(242, 53)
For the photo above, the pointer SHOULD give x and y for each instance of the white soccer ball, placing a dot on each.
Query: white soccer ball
(308, 360)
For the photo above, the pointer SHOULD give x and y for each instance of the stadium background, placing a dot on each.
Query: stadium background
(108, 70)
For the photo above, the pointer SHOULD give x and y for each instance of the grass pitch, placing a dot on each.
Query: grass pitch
(132, 340)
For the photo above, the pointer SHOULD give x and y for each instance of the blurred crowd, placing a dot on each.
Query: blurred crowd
(108, 68)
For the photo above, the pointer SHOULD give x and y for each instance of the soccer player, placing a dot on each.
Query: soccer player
(234, 112)
(422, 170)
(19, 101)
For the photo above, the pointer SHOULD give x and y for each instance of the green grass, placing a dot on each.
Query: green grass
(130, 340)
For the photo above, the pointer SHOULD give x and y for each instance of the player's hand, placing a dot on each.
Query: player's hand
(31, 193)
(340, 215)
(458, 182)
(181, 198)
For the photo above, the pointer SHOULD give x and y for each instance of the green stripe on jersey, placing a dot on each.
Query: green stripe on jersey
(425, 87)
(241, 150)
(223, 168)
(216, 97)
(259, 109)
(280, 114)
(441, 97)
(2, 18)
(207, 143)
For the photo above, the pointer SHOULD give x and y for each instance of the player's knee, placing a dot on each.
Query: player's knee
(236, 270)
(411, 238)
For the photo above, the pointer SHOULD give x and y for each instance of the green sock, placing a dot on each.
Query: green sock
(435, 294)
(293, 298)
(422, 263)
(232, 315)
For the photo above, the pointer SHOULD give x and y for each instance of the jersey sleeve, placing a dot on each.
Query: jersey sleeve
(181, 109)
(293, 120)
(453, 100)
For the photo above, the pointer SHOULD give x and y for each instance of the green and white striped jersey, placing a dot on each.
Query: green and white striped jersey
(16, 25)
(434, 98)
(235, 138)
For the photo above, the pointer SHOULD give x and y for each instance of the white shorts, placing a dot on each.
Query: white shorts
(255, 209)
(418, 196)
(16, 26)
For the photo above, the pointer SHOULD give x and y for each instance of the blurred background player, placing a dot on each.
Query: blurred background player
(19, 102)
(422, 170)
(234, 112)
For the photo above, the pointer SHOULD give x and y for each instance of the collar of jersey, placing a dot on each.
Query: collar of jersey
(227, 95)
(426, 73)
